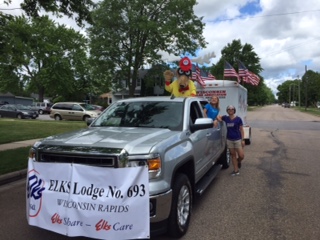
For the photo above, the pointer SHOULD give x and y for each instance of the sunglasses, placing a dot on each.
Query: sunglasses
(230, 109)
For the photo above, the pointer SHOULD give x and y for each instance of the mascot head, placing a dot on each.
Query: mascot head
(184, 72)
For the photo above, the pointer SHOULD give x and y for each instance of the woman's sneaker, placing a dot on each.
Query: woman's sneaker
(235, 173)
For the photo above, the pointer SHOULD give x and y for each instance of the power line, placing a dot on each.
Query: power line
(270, 15)
(271, 53)
(281, 14)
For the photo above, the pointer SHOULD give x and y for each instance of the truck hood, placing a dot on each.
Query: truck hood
(134, 140)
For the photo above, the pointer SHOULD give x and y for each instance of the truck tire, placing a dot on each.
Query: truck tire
(181, 206)
(248, 140)
(225, 159)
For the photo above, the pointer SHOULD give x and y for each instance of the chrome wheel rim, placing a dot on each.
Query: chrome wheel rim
(183, 207)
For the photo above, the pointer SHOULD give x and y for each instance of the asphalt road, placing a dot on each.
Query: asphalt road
(275, 197)
(44, 117)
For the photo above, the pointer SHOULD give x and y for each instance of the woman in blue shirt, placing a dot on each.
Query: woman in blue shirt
(211, 110)
(235, 138)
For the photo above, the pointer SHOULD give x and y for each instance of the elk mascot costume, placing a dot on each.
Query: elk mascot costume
(183, 86)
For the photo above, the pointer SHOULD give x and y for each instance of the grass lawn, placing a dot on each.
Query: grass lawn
(13, 130)
(14, 160)
(313, 111)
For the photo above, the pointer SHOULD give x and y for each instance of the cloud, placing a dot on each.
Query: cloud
(285, 36)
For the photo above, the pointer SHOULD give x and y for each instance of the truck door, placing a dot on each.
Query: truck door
(199, 140)
(214, 140)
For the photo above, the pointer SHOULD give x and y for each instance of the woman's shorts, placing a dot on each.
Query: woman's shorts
(234, 144)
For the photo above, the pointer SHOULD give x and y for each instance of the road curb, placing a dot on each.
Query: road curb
(19, 144)
(13, 176)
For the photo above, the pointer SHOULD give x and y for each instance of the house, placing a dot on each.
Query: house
(9, 98)
(158, 88)
(158, 85)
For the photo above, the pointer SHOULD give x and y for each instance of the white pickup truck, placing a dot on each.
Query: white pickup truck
(186, 151)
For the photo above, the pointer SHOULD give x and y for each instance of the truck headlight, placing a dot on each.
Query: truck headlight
(32, 151)
(153, 161)
(123, 159)
(32, 154)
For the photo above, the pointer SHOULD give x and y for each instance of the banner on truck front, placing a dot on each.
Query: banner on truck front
(95, 202)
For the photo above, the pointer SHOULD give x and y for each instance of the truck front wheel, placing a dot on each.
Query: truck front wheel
(181, 206)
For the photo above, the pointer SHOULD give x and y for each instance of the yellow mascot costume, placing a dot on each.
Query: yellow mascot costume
(183, 86)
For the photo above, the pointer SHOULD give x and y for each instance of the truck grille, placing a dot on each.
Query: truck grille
(81, 155)
(90, 160)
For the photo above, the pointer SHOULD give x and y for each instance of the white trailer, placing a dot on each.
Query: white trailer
(229, 93)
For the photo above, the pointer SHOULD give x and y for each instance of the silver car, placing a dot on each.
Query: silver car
(73, 111)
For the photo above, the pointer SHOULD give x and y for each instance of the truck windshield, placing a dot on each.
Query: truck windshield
(143, 114)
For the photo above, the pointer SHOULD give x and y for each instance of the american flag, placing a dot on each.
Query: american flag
(211, 77)
(229, 71)
(248, 76)
(198, 77)
(243, 71)
(252, 79)
(201, 76)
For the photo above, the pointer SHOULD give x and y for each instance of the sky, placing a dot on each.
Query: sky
(284, 34)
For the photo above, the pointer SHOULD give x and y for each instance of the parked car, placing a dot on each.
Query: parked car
(73, 111)
(98, 107)
(17, 111)
(41, 107)
(287, 105)
(3, 103)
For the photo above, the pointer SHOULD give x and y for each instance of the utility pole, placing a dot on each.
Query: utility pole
(299, 91)
(306, 92)
(289, 94)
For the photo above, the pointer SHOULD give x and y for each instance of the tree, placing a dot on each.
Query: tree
(9, 81)
(257, 95)
(67, 7)
(310, 88)
(46, 57)
(284, 93)
(234, 52)
(4, 20)
(128, 34)
(154, 77)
